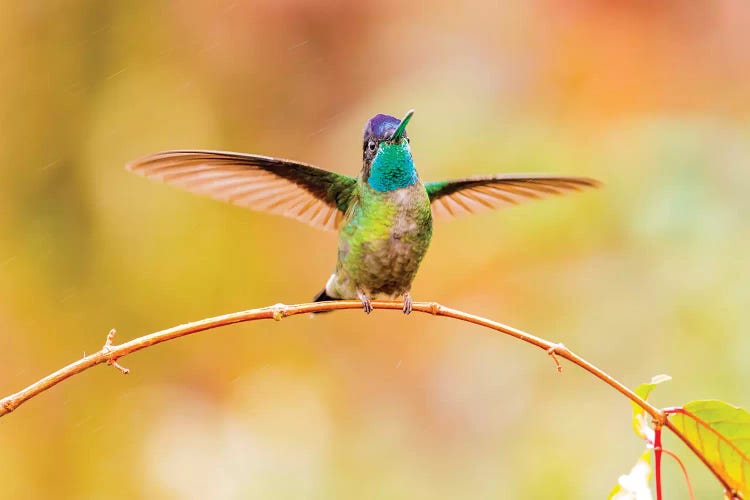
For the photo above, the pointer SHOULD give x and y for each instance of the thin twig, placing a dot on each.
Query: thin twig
(684, 472)
(109, 354)
(556, 349)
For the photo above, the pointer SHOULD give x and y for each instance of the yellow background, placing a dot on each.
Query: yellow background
(649, 275)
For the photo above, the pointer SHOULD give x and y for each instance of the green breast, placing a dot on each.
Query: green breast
(385, 236)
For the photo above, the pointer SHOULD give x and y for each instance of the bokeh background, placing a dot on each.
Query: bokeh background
(647, 276)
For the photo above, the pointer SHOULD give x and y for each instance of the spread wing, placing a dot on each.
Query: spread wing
(303, 192)
(475, 194)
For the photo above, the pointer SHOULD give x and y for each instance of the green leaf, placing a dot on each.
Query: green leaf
(721, 432)
(634, 486)
(640, 420)
(644, 390)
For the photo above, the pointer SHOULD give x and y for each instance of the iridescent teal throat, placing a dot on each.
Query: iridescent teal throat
(392, 168)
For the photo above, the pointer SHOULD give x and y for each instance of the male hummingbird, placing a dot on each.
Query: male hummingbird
(384, 216)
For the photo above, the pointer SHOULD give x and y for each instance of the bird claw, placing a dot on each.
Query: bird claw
(407, 303)
(366, 303)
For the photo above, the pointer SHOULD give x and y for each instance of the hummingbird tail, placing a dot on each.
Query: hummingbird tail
(323, 297)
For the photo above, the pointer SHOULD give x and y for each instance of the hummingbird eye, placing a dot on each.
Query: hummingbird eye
(371, 145)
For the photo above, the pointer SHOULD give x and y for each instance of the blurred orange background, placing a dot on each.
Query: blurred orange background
(648, 275)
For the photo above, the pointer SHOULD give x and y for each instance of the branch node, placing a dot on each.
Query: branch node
(279, 311)
(659, 422)
(553, 351)
(435, 308)
(107, 350)
(8, 406)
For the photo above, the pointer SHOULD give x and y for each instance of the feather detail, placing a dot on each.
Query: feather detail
(477, 194)
(283, 187)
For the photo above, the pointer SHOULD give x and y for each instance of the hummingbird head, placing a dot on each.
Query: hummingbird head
(387, 161)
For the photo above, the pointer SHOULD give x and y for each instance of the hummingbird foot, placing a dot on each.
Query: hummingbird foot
(366, 303)
(407, 303)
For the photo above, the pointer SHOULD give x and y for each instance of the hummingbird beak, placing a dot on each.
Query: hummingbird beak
(401, 130)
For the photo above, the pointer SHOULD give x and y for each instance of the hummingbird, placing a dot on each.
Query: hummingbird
(384, 216)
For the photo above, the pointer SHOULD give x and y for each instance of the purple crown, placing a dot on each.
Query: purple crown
(381, 126)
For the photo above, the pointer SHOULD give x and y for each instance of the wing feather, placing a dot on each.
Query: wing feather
(283, 187)
(477, 194)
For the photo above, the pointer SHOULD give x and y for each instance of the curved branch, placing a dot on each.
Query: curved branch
(110, 353)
